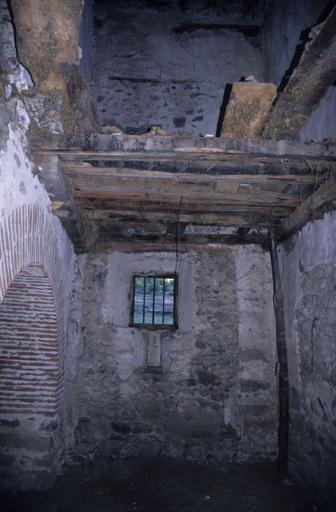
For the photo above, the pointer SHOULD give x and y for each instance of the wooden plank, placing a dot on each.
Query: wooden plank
(309, 82)
(152, 180)
(219, 219)
(107, 143)
(104, 242)
(313, 207)
(249, 198)
(187, 156)
(205, 164)
(57, 205)
(156, 246)
(174, 207)
(139, 228)
(158, 186)
(83, 169)
(188, 184)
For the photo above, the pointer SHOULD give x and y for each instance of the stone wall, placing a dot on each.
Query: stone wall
(322, 123)
(283, 32)
(309, 284)
(212, 394)
(86, 40)
(33, 247)
(167, 63)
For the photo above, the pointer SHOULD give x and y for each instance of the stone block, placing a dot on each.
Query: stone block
(29, 442)
(251, 386)
(247, 110)
(154, 350)
(6, 459)
(9, 423)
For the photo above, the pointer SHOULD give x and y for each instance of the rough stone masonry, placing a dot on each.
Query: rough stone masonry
(207, 393)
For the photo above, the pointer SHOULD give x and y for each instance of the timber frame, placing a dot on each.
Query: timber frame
(154, 192)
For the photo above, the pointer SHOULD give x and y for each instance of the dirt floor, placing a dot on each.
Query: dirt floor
(165, 485)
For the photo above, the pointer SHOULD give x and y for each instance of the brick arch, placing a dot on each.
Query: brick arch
(29, 255)
(29, 355)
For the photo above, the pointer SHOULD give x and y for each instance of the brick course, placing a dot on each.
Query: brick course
(29, 356)
(32, 332)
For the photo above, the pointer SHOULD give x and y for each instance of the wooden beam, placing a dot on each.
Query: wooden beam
(282, 366)
(192, 157)
(82, 170)
(222, 165)
(158, 246)
(112, 229)
(312, 208)
(99, 143)
(308, 83)
(217, 219)
(62, 200)
(174, 196)
(168, 242)
(145, 185)
(166, 206)
(109, 182)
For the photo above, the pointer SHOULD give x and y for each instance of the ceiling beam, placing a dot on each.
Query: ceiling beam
(140, 191)
(185, 242)
(312, 208)
(82, 145)
(220, 219)
(175, 196)
(163, 206)
(264, 170)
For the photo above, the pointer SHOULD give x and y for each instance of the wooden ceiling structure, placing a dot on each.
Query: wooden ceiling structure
(145, 192)
(179, 192)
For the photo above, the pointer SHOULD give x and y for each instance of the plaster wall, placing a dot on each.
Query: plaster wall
(30, 444)
(205, 391)
(322, 123)
(282, 33)
(309, 284)
(18, 174)
(152, 66)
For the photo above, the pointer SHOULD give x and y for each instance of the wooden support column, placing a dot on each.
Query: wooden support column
(282, 365)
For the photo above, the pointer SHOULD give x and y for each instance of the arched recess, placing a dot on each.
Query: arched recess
(29, 351)
(32, 340)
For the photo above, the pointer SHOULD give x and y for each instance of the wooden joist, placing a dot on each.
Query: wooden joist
(203, 166)
(222, 218)
(264, 198)
(169, 243)
(282, 364)
(84, 170)
(123, 190)
(312, 208)
(164, 209)
(101, 145)
(151, 204)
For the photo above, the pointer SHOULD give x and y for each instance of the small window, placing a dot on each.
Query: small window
(154, 301)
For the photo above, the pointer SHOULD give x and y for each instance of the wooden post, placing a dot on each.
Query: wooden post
(282, 366)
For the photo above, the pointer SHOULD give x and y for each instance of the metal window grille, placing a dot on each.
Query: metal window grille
(154, 301)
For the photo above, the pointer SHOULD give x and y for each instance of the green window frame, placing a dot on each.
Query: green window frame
(154, 301)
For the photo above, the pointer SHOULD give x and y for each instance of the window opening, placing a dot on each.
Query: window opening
(154, 301)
